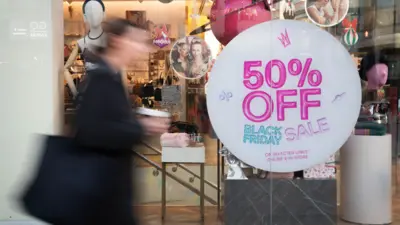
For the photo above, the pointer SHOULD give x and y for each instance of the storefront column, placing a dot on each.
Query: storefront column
(31, 64)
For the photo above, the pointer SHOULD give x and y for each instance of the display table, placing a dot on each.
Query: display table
(366, 183)
(280, 202)
(187, 155)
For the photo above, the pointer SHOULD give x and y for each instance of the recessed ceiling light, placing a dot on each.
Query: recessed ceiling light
(165, 1)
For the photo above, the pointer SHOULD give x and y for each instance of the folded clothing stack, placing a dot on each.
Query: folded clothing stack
(370, 128)
(179, 140)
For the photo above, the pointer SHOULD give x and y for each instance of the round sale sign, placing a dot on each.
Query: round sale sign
(284, 95)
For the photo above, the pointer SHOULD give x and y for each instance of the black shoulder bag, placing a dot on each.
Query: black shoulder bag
(67, 182)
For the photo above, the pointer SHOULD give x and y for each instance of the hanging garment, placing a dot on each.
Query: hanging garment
(183, 127)
(148, 90)
(202, 114)
(137, 90)
(157, 95)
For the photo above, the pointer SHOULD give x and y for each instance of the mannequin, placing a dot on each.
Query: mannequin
(374, 74)
(94, 13)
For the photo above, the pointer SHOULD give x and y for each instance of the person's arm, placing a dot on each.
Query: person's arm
(315, 16)
(334, 19)
(326, 13)
(343, 7)
(67, 74)
(100, 120)
(335, 6)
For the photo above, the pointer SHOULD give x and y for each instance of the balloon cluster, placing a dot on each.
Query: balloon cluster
(230, 17)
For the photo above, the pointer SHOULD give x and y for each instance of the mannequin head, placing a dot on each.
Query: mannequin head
(374, 70)
(93, 12)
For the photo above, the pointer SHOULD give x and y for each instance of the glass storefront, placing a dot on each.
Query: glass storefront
(259, 100)
(364, 28)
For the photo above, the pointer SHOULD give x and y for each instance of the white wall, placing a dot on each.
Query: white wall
(30, 90)
(31, 81)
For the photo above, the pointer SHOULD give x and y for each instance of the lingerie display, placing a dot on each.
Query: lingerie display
(197, 112)
(88, 57)
(147, 93)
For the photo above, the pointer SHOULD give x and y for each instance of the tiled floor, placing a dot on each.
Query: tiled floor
(189, 215)
(151, 215)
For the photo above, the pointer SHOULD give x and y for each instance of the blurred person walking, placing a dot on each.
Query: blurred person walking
(95, 182)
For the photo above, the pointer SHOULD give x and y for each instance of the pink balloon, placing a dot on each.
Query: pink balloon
(225, 28)
(377, 76)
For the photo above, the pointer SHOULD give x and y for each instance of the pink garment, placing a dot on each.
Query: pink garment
(179, 140)
(377, 76)
(325, 170)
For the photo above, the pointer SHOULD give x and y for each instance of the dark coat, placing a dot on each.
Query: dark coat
(106, 125)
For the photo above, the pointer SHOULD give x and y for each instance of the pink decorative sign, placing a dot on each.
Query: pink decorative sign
(161, 36)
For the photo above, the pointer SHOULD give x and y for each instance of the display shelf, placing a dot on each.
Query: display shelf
(366, 167)
(158, 64)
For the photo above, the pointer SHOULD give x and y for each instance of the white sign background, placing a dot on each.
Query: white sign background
(340, 98)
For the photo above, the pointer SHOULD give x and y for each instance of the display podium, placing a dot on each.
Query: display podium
(187, 155)
(366, 181)
(277, 201)
(280, 202)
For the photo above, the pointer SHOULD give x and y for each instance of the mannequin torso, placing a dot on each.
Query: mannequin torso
(93, 11)
(87, 48)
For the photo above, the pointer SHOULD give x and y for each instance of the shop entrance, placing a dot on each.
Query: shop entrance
(151, 78)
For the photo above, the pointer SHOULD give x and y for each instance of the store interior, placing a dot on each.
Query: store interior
(146, 77)
(152, 71)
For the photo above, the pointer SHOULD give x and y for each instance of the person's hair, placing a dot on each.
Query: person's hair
(175, 54)
(204, 50)
(115, 27)
(180, 45)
